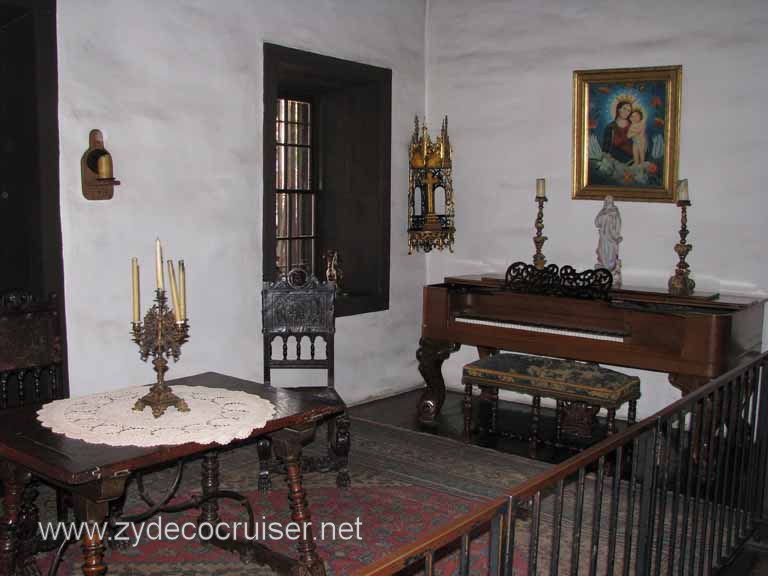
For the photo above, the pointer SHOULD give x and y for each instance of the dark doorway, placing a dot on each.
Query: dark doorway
(30, 225)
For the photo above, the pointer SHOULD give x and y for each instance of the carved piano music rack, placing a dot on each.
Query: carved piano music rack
(692, 338)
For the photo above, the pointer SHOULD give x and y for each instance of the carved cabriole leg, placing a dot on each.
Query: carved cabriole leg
(339, 443)
(687, 383)
(264, 448)
(209, 481)
(534, 437)
(14, 482)
(287, 444)
(467, 407)
(431, 355)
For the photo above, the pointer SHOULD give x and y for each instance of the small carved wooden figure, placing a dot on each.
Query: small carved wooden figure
(333, 273)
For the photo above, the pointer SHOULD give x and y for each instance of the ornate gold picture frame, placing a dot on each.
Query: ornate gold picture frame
(626, 126)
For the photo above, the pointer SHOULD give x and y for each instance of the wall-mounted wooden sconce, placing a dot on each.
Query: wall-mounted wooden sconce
(96, 169)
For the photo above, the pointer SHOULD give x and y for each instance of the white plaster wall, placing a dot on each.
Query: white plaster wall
(502, 71)
(176, 88)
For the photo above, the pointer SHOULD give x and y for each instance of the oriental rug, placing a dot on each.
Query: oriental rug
(405, 484)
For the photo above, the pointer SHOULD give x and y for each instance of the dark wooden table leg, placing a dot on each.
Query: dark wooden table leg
(264, 448)
(431, 355)
(14, 481)
(287, 445)
(95, 514)
(340, 441)
(209, 480)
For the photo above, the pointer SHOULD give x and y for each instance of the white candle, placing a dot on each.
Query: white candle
(541, 188)
(135, 279)
(682, 191)
(174, 292)
(183, 290)
(159, 265)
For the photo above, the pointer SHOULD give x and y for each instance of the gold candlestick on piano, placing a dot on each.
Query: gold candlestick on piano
(681, 284)
(541, 196)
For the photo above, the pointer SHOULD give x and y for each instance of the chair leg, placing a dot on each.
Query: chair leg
(467, 412)
(264, 448)
(534, 437)
(632, 412)
(339, 442)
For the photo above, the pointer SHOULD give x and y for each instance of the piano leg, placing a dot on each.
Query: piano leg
(687, 383)
(431, 355)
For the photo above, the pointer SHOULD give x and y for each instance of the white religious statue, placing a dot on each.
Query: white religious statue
(608, 222)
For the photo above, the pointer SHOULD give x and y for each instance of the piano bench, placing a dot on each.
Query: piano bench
(580, 390)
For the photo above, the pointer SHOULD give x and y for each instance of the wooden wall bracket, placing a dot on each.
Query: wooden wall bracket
(94, 168)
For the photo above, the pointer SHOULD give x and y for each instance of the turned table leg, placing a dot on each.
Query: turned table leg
(287, 445)
(209, 479)
(340, 441)
(264, 448)
(93, 547)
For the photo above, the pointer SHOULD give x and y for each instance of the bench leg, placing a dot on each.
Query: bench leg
(559, 421)
(491, 394)
(534, 437)
(611, 421)
(467, 412)
(632, 412)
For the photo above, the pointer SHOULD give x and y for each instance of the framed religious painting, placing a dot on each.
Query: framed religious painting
(626, 125)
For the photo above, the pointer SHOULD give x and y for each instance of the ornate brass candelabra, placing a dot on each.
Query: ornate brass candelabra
(538, 259)
(161, 337)
(681, 284)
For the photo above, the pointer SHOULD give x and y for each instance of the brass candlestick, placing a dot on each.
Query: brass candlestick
(161, 337)
(538, 259)
(681, 284)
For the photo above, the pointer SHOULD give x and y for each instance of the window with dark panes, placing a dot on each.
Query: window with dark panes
(295, 190)
(327, 169)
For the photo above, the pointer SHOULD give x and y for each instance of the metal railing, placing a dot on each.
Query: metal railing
(678, 493)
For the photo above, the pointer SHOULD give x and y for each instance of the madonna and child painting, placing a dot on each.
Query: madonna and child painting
(625, 133)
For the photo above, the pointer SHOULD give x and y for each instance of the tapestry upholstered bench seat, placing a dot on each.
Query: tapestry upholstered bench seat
(580, 390)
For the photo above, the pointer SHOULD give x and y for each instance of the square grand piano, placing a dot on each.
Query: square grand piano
(692, 338)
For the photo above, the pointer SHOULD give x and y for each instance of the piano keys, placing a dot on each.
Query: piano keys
(693, 338)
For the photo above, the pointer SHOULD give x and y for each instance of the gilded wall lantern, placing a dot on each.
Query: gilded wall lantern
(430, 191)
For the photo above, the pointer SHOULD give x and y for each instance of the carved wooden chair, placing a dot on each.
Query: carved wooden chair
(30, 369)
(297, 311)
(30, 350)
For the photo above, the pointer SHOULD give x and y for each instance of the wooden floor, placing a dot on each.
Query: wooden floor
(400, 411)
(512, 418)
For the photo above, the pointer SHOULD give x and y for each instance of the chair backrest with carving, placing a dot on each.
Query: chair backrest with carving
(298, 306)
(30, 350)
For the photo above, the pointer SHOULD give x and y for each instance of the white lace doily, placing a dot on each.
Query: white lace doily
(215, 415)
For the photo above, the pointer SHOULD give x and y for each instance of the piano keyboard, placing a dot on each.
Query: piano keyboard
(541, 329)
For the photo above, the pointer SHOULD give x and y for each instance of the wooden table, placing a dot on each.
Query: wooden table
(96, 474)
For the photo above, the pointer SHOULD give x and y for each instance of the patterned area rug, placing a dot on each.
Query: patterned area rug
(404, 485)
